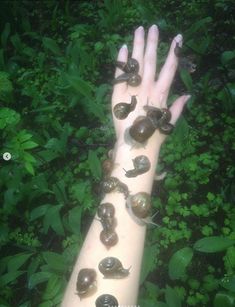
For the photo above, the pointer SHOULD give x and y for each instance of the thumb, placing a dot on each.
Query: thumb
(177, 108)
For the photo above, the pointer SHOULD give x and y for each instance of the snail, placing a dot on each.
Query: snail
(141, 166)
(111, 267)
(122, 109)
(108, 238)
(106, 300)
(106, 214)
(86, 281)
(139, 206)
(107, 166)
(130, 75)
(144, 126)
(112, 184)
(185, 62)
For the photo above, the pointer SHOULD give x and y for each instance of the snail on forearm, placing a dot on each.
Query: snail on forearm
(130, 75)
(123, 109)
(112, 267)
(86, 282)
(139, 208)
(106, 300)
(106, 213)
(141, 166)
(109, 238)
(112, 184)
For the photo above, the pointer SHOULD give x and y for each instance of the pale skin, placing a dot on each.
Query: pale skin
(129, 249)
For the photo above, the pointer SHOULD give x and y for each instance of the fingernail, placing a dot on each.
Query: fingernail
(179, 40)
(124, 46)
(187, 97)
(154, 27)
(140, 28)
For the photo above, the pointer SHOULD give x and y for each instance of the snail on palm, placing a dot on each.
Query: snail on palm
(130, 75)
(106, 300)
(108, 237)
(141, 166)
(139, 207)
(112, 184)
(86, 282)
(111, 267)
(123, 109)
(144, 126)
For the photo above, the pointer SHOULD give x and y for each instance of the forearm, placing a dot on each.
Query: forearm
(129, 249)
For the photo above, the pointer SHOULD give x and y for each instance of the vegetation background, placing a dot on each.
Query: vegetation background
(56, 67)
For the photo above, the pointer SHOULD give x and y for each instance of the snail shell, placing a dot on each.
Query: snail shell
(111, 267)
(132, 66)
(106, 300)
(166, 128)
(122, 109)
(86, 281)
(106, 210)
(142, 129)
(109, 184)
(141, 166)
(107, 166)
(134, 80)
(108, 238)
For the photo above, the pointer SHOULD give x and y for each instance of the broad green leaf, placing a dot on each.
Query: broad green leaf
(52, 219)
(75, 220)
(179, 262)
(29, 158)
(94, 164)
(55, 261)
(149, 260)
(51, 45)
(81, 86)
(202, 23)
(38, 278)
(9, 277)
(54, 286)
(8, 117)
(187, 79)
(29, 145)
(17, 260)
(227, 56)
(38, 212)
(213, 244)
(172, 298)
(29, 167)
(228, 283)
(5, 34)
(224, 300)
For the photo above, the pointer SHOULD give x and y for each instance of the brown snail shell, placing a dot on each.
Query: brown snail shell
(134, 80)
(132, 66)
(86, 281)
(111, 267)
(123, 109)
(141, 166)
(107, 166)
(106, 210)
(108, 238)
(142, 129)
(112, 184)
(106, 300)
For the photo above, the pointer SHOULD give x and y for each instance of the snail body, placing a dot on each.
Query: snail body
(141, 166)
(106, 300)
(132, 66)
(86, 281)
(123, 109)
(111, 267)
(112, 184)
(130, 78)
(108, 237)
(130, 75)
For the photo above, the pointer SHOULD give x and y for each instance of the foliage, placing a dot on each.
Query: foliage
(55, 120)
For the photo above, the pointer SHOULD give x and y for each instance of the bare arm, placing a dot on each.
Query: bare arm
(129, 249)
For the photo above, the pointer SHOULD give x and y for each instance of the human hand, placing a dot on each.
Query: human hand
(150, 91)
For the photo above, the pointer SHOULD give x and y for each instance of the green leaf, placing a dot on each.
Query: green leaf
(51, 45)
(29, 145)
(224, 300)
(29, 167)
(16, 261)
(94, 164)
(54, 286)
(179, 261)
(187, 79)
(5, 34)
(55, 261)
(38, 278)
(172, 298)
(38, 212)
(202, 23)
(149, 260)
(228, 283)
(53, 219)
(212, 244)
(9, 277)
(227, 56)
(75, 220)
(81, 86)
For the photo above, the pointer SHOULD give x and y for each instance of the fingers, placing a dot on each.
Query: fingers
(168, 71)
(177, 108)
(150, 58)
(138, 47)
(122, 56)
